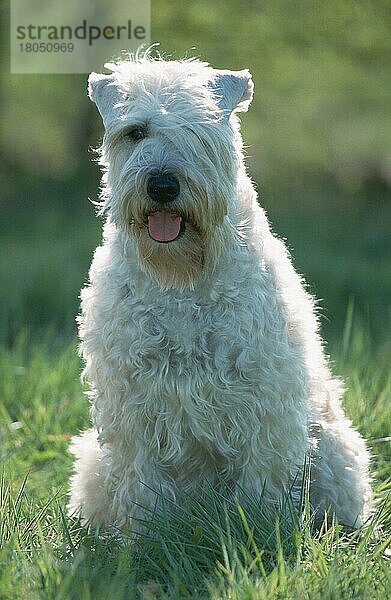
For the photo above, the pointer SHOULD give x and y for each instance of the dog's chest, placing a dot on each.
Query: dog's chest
(173, 335)
(179, 327)
(178, 332)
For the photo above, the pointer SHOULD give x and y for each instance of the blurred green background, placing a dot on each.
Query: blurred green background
(318, 138)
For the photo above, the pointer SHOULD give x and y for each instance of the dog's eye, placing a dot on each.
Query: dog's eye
(135, 133)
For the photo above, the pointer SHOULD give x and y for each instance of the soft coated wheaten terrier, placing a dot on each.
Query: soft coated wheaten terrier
(200, 343)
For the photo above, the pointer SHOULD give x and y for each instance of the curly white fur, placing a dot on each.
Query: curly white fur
(202, 354)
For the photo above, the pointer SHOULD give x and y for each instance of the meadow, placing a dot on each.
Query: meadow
(317, 140)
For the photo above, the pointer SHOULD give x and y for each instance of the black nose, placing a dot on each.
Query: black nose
(163, 188)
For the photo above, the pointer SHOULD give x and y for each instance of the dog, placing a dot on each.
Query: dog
(199, 339)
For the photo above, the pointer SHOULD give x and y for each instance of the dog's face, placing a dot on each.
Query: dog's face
(170, 158)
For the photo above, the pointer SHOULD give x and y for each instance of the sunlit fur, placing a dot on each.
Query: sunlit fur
(202, 354)
(185, 135)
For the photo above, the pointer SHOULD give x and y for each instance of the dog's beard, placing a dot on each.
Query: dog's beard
(189, 253)
(178, 263)
(175, 254)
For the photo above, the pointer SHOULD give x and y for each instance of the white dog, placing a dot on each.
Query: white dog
(200, 343)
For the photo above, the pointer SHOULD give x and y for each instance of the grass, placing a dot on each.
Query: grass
(207, 549)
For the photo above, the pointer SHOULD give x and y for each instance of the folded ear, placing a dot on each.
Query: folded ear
(103, 90)
(234, 89)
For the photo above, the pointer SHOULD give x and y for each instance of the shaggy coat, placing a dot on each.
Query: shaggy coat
(202, 353)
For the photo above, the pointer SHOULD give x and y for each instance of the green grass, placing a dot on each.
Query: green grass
(207, 549)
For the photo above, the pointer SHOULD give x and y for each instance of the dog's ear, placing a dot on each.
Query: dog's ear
(103, 90)
(234, 89)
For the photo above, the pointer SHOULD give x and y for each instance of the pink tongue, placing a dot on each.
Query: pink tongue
(164, 226)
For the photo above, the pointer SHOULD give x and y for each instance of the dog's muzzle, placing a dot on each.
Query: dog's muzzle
(163, 188)
(163, 225)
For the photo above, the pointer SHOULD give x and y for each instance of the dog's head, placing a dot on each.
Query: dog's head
(171, 154)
